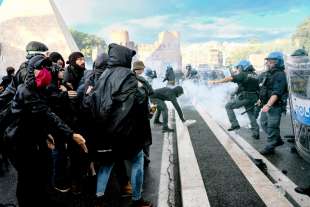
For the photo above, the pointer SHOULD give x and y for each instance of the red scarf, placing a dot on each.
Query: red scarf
(44, 78)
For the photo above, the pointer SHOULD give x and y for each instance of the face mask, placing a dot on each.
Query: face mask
(43, 78)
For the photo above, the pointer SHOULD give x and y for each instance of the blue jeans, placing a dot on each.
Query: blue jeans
(136, 176)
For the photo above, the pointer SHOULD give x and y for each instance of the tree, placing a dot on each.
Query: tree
(301, 37)
(87, 42)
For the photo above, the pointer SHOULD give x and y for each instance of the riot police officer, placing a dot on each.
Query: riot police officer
(170, 77)
(273, 99)
(247, 95)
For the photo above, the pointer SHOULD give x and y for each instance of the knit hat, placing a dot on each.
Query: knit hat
(55, 56)
(73, 57)
(138, 65)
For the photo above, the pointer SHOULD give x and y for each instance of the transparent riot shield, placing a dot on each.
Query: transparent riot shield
(298, 74)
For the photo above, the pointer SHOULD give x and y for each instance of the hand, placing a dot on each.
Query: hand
(1, 89)
(62, 88)
(50, 142)
(211, 82)
(89, 89)
(258, 103)
(69, 85)
(72, 94)
(80, 141)
(266, 108)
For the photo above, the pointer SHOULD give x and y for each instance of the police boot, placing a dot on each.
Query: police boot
(233, 128)
(301, 190)
(255, 136)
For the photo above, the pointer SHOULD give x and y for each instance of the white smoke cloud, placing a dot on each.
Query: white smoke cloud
(213, 98)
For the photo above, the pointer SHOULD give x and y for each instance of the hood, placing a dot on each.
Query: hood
(100, 64)
(178, 90)
(35, 62)
(120, 56)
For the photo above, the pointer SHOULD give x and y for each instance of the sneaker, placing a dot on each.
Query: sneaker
(267, 151)
(278, 143)
(167, 129)
(301, 190)
(189, 122)
(126, 190)
(233, 128)
(141, 203)
(62, 188)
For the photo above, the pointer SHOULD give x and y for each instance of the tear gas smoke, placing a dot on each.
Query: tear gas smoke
(214, 99)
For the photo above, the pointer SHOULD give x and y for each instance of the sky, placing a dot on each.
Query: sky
(196, 20)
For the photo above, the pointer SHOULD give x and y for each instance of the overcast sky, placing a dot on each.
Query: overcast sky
(197, 20)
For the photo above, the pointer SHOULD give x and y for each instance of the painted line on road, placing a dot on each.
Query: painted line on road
(192, 186)
(261, 184)
(287, 185)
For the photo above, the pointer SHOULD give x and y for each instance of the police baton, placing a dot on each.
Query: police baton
(249, 109)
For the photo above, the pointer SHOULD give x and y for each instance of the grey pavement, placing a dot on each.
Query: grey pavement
(225, 184)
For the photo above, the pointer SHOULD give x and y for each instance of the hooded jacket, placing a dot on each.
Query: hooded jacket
(100, 65)
(116, 107)
(170, 94)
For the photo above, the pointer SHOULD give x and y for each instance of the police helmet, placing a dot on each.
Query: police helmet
(36, 47)
(278, 56)
(245, 65)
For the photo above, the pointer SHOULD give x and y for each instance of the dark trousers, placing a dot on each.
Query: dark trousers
(32, 169)
(270, 122)
(161, 109)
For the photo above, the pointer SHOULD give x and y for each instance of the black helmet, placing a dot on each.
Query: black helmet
(36, 47)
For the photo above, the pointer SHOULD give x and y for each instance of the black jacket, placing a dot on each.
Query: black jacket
(116, 109)
(34, 120)
(170, 94)
(145, 91)
(6, 80)
(170, 75)
(274, 82)
(73, 76)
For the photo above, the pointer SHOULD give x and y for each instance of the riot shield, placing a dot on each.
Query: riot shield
(298, 74)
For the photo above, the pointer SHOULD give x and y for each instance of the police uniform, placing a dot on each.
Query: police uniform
(247, 96)
(273, 83)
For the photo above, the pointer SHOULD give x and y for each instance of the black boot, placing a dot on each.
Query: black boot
(305, 191)
(233, 128)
